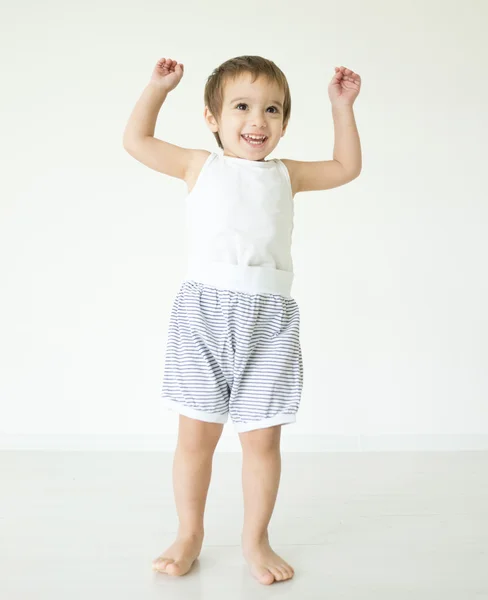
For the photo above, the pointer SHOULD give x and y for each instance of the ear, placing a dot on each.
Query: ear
(210, 120)
(284, 130)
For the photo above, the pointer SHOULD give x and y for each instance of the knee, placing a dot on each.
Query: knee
(201, 446)
(198, 437)
(261, 441)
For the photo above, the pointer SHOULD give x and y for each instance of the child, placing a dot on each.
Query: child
(233, 341)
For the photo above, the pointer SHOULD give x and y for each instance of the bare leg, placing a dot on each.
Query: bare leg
(192, 469)
(261, 471)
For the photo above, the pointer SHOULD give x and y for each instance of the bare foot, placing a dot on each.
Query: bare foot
(179, 557)
(265, 565)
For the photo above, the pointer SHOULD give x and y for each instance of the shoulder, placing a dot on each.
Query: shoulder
(197, 159)
(292, 173)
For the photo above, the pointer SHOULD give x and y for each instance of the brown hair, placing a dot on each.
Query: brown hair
(255, 65)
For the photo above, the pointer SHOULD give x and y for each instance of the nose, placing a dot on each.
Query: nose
(258, 120)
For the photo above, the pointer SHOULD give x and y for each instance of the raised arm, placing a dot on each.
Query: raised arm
(346, 164)
(138, 138)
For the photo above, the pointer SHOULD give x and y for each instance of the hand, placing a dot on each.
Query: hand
(344, 87)
(167, 74)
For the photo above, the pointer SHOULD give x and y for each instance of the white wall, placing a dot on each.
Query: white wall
(390, 270)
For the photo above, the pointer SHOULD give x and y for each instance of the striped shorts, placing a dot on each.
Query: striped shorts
(233, 352)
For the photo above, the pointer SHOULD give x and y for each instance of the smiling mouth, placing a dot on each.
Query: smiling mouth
(255, 141)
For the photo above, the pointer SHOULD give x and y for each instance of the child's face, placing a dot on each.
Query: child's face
(249, 108)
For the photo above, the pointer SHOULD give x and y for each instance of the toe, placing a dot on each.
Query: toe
(160, 564)
(287, 571)
(173, 568)
(266, 577)
(278, 575)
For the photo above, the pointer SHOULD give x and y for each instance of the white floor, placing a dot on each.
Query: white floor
(353, 525)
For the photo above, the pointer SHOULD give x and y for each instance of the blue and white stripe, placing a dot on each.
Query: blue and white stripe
(231, 352)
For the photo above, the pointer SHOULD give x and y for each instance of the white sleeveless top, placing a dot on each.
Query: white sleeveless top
(239, 224)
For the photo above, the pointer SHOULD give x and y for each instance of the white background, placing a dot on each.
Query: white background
(391, 272)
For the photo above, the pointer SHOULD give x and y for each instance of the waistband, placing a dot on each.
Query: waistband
(242, 278)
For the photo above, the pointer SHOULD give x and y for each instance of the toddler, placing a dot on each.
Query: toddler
(233, 341)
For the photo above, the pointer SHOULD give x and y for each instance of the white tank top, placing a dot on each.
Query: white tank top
(239, 224)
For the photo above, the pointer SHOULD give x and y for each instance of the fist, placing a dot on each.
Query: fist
(167, 74)
(344, 87)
